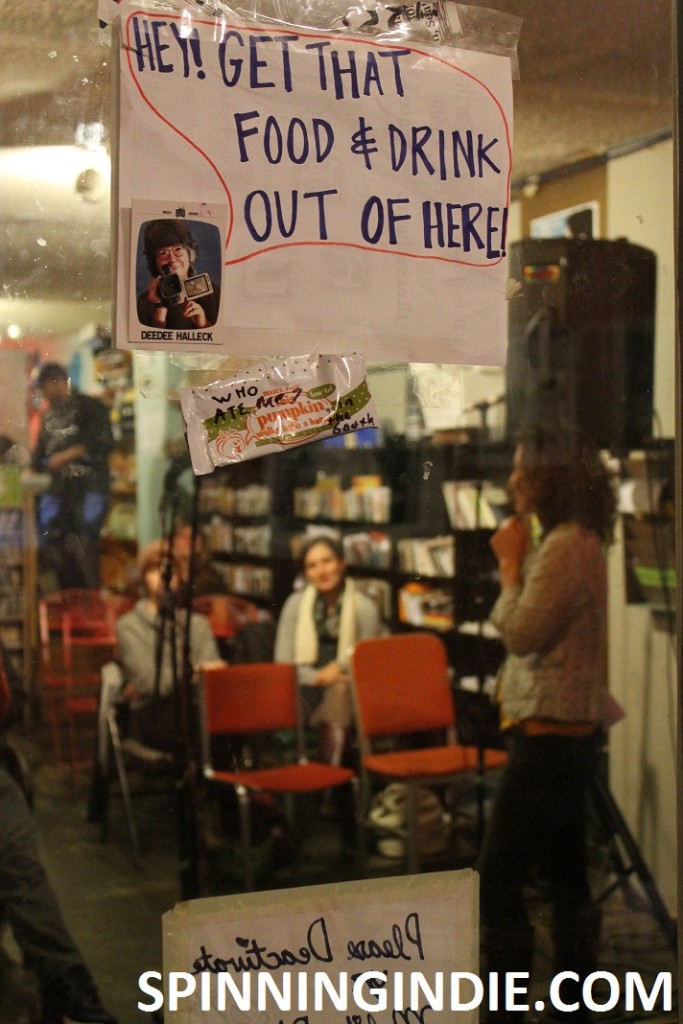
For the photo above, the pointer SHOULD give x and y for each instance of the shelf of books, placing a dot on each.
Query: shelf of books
(646, 507)
(415, 536)
(18, 586)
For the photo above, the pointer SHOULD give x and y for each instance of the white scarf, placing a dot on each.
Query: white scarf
(305, 633)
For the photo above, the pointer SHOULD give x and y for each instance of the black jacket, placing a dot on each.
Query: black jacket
(80, 420)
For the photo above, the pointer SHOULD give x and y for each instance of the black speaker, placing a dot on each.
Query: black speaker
(581, 338)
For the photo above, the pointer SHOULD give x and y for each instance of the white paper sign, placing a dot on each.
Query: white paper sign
(287, 950)
(366, 183)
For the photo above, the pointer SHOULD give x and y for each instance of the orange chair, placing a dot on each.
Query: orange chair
(257, 699)
(401, 687)
(77, 636)
(92, 617)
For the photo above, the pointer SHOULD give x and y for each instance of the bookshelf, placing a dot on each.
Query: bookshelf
(237, 518)
(646, 506)
(391, 507)
(18, 573)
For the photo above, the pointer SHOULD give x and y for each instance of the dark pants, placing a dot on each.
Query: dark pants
(69, 527)
(539, 820)
(154, 724)
(27, 898)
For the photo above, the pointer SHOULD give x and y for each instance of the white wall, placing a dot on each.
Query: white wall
(640, 190)
(642, 662)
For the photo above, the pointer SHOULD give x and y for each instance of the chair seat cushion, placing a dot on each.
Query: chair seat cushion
(290, 778)
(432, 762)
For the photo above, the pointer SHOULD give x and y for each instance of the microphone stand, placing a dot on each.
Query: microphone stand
(167, 626)
(190, 788)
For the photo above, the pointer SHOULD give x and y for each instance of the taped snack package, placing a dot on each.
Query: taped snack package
(276, 405)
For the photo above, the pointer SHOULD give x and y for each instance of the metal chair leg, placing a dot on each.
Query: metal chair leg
(245, 826)
(125, 788)
(411, 819)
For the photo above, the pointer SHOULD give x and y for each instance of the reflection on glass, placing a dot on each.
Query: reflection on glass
(413, 505)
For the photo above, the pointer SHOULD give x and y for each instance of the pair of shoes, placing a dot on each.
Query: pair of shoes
(71, 998)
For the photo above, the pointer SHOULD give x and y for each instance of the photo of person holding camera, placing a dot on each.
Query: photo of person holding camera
(177, 296)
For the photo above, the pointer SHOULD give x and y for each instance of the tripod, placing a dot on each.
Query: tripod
(186, 758)
(625, 856)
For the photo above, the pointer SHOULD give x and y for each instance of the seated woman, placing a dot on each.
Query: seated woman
(148, 669)
(318, 629)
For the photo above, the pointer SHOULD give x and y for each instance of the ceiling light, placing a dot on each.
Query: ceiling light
(90, 185)
(531, 187)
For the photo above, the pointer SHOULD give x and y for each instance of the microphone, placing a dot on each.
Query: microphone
(178, 455)
(176, 468)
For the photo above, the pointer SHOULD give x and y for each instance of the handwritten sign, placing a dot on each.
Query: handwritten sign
(371, 952)
(366, 184)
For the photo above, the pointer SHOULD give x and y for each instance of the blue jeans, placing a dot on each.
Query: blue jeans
(69, 526)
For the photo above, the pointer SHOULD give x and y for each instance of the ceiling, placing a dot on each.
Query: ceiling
(595, 76)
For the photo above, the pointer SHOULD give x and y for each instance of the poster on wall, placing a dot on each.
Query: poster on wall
(364, 184)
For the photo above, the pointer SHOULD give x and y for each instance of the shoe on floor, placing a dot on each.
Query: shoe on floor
(72, 998)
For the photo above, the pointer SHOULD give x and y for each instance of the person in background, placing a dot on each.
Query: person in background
(552, 617)
(318, 628)
(171, 253)
(206, 579)
(150, 664)
(28, 900)
(73, 446)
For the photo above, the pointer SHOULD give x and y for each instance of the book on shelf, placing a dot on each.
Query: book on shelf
(380, 592)
(11, 524)
(427, 556)
(472, 506)
(247, 580)
(220, 535)
(425, 606)
(298, 541)
(215, 497)
(253, 500)
(10, 486)
(366, 482)
(367, 499)
(252, 540)
(368, 548)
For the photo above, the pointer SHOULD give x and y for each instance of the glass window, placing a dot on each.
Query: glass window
(469, 514)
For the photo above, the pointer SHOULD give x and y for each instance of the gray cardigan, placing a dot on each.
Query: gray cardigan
(136, 635)
(368, 624)
(554, 628)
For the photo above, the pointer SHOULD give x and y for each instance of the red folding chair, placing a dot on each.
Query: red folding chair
(77, 637)
(401, 688)
(259, 699)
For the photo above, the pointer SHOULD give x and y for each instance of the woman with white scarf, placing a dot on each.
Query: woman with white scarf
(318, 629)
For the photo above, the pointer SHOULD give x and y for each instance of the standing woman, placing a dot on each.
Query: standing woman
(317, 631)
(551, 614)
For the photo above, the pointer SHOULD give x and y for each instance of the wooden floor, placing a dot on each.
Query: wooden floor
(114, 908)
